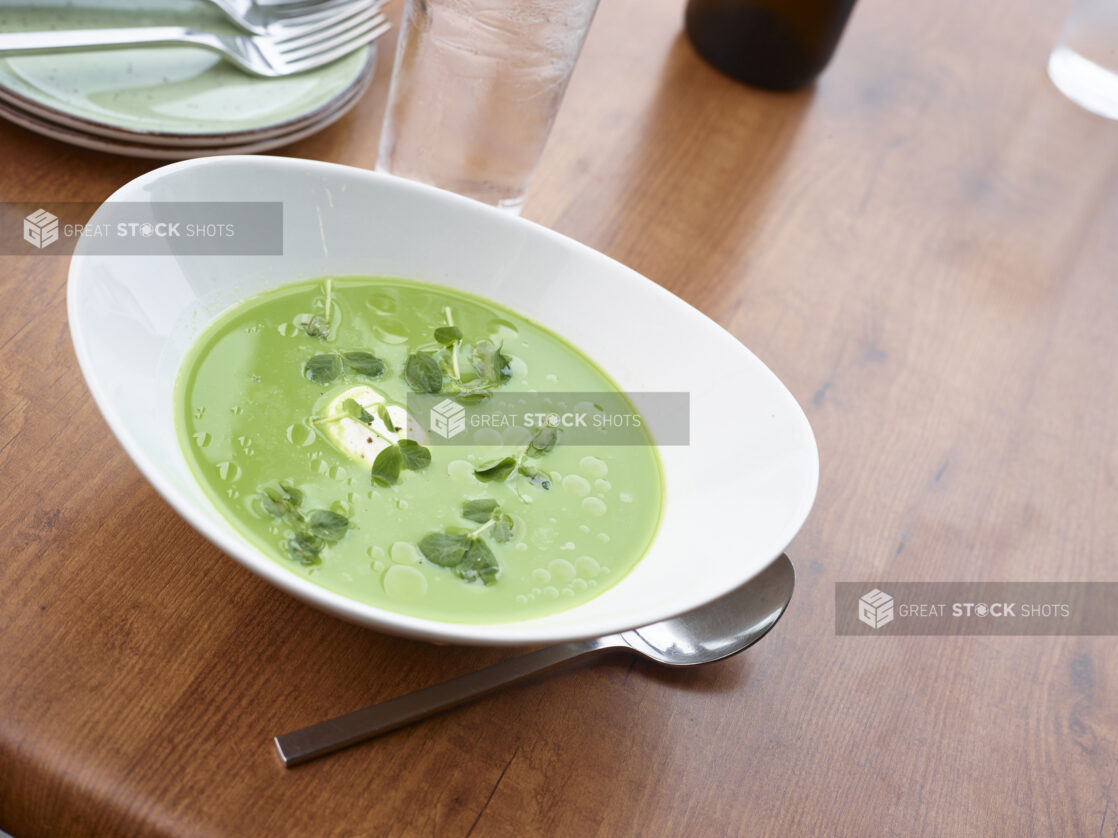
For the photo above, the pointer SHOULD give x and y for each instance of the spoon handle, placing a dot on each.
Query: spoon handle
(360, 725)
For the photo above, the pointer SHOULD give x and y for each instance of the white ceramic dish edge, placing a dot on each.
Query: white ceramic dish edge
(517, 633)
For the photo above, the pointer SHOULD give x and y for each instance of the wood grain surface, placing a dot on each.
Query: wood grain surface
(923, 247)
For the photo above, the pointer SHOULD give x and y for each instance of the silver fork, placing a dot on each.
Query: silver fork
(262, 55)
(279, 4)
(289, 18)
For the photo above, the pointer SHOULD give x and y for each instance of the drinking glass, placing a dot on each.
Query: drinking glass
(1084, 64)
(475, 89)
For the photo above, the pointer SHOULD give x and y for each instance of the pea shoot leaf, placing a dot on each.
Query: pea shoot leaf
(305, 548)
(382, 413)
(542, 441)
(327, 525)
(478, 563)
(496, 472)
(535, 476)
(364, 363)
(423, 373)
(352, 408)
(273, 503)
(291, 494)
(444, 549)
(447, 335)
(322, 369)
(502, 530)
(282, 501)
(413, 455)
(316, 327)
(387, 465)
(479, 511)
(491, 363)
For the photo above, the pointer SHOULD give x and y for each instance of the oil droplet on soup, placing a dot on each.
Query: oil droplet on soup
(228, 471)
(300, 434)
(404, 584)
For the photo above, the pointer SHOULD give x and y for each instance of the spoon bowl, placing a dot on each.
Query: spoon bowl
(717, 630)
(730, 624)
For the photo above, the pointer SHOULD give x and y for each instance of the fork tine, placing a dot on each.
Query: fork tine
(322, 42)
(313, 11)
(323, 29)
(325, 57)
(342, 40)
(288, 32)
(293, 26)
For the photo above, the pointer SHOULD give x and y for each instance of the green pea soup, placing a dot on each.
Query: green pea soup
(292, 413)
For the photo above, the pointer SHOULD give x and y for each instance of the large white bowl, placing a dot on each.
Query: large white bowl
(736, 495)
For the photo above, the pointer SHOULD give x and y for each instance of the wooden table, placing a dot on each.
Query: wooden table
(923, 247)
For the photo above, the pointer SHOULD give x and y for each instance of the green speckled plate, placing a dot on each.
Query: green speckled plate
(163, 95)
(179, 151)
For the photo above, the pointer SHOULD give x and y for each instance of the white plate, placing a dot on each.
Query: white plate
(83, 139)
(735, 497)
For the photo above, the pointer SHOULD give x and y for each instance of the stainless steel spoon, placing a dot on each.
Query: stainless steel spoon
(719, 629)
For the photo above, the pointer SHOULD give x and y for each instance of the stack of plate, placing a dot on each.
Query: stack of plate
(164, 102)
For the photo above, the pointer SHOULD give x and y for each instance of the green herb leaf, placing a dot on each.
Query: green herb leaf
(305, 548)
(327, 525)
(414, 455)
(446, 335)
(387, 465)
(351, 407)
(468, 397)
(273, 504)
(542, 442)
(423, 373)
(478, 563)
(364, 363)
(491, 363)
(316, 327)
(282, 501)
(479, 511)
(496, 472)
(322, 369)
(502, 530)
(444, 549)
(382, 412)
(291, 494)
(535, 476)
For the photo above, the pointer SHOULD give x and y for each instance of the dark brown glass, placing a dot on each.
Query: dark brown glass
(776, 44)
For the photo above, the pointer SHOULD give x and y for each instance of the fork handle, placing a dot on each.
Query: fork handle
(360, 725)
(26, 43)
